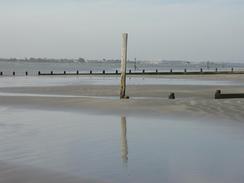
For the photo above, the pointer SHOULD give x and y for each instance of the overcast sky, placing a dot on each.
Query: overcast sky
(195, 30)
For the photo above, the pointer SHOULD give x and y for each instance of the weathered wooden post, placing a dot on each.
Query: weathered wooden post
(123, 65)
(172, 96)
(217, 94)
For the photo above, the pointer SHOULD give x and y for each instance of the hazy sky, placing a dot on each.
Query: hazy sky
(195, 30)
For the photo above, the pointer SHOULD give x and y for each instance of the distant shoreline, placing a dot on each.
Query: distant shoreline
(117, 61)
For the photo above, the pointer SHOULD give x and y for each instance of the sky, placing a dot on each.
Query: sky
(194, 30)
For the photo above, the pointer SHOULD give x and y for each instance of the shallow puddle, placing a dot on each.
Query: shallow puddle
(123, 149)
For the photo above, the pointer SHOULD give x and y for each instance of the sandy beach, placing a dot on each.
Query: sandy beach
(150, 101)
(191, 100)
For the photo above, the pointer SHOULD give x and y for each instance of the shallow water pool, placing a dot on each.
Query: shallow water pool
(123, 149)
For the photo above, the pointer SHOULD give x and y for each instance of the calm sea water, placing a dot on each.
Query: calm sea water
(124, 149)
(20, 68)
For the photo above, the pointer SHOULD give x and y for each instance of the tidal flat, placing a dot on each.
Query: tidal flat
(84, 133)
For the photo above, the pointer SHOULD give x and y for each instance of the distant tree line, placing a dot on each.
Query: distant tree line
(32, 59)
(166, 63)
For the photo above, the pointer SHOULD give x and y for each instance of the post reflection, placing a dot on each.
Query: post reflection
(123, 141)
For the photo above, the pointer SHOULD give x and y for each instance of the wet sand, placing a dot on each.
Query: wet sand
(232, 109)
(192, 101)
(22, 174)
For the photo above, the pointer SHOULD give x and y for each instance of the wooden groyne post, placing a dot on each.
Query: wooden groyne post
(123, 65)
(220, 95)
(172, 96)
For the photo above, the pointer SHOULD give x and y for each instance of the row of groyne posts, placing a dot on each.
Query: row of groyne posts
(143, 72)
(218, 94)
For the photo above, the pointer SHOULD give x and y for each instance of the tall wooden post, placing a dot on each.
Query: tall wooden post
(123, 65)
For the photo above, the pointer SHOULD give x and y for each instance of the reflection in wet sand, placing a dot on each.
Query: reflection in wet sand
(123, 141)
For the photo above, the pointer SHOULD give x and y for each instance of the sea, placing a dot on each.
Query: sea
(33, 67)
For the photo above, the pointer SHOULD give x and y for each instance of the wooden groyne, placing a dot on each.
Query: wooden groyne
(219, 95)
(118, 73)
(143, 73)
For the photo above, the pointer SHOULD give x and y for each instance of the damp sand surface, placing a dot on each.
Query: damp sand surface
(83, 133)
(70, 146)
(192, 98)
